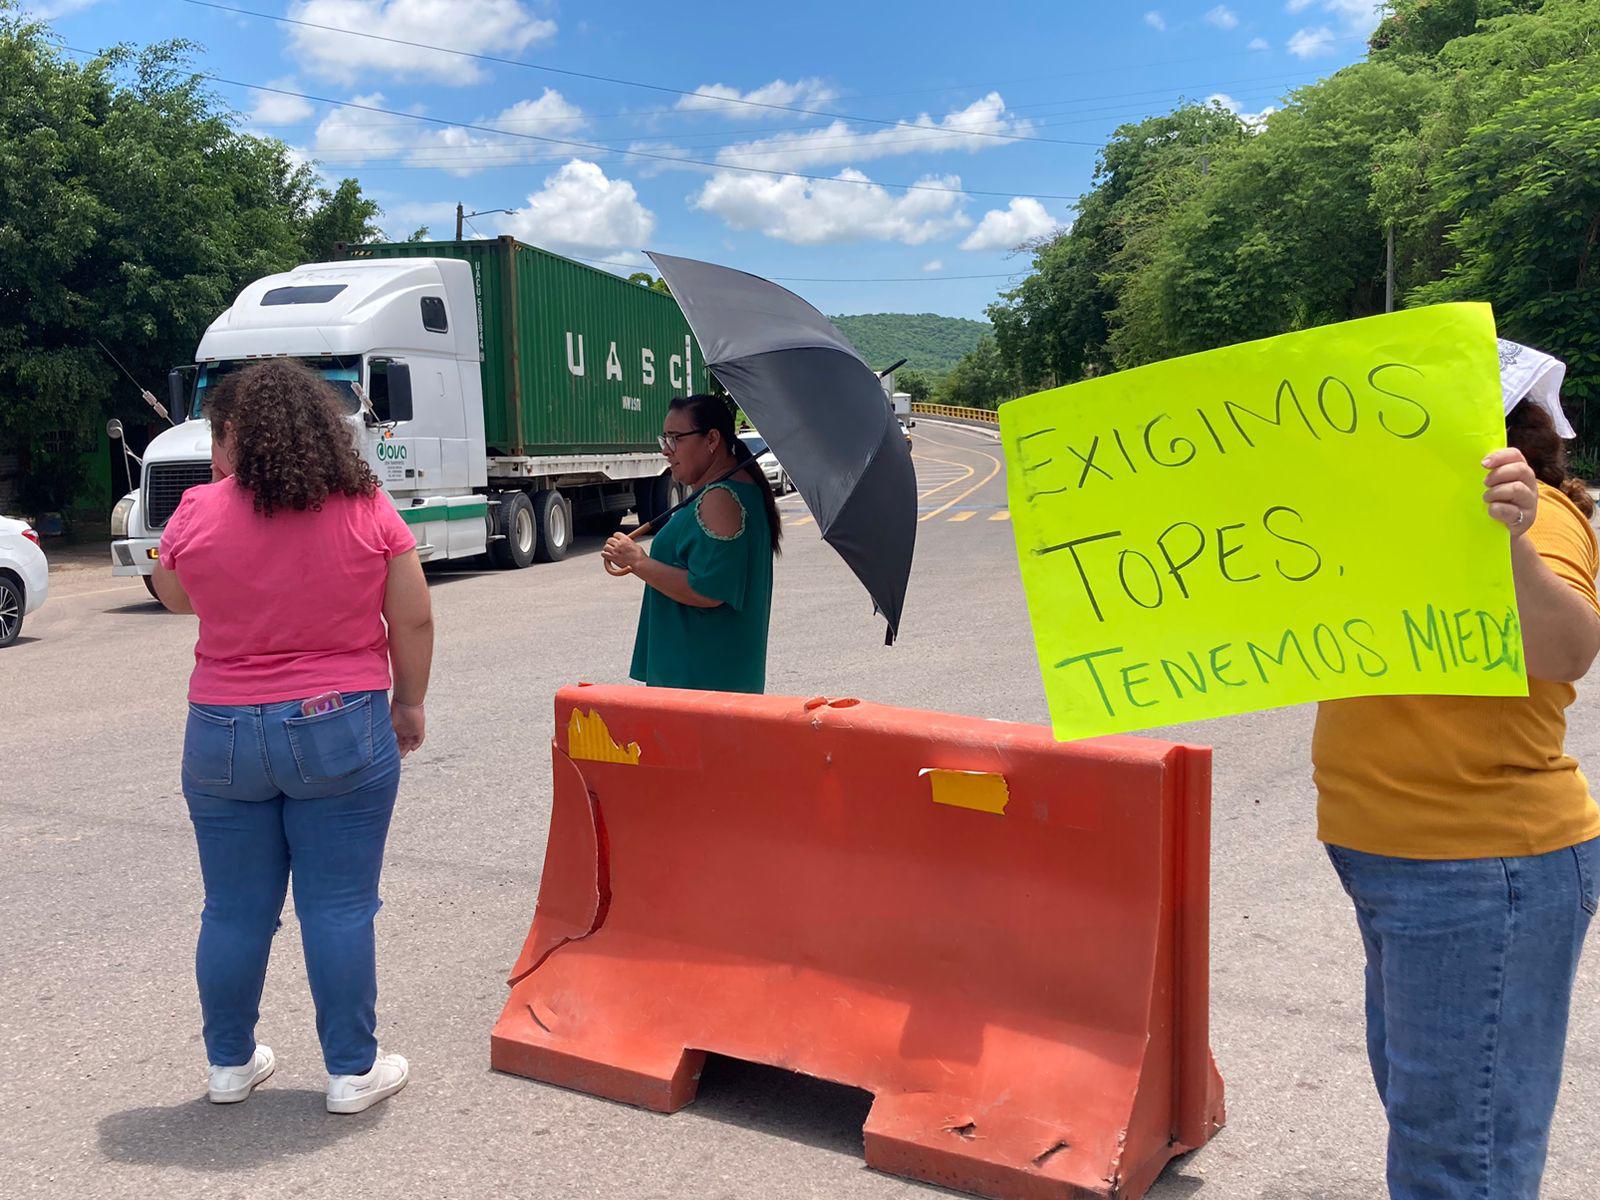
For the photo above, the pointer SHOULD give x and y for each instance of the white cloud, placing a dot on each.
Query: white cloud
(581, 211)
(1356, 18)
(1007, 228)
(839, 142)
(935, 265)
(812, 213)
(1223, 17)
(551, 115)
(1156, 21)
(54, 10)
(1312, 43)
(715, 97)
(355, 136)
(1252, 121)
(1260, 44)
(478, 26)
(276, 109)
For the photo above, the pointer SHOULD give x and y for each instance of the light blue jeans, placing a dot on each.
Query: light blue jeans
(274, 795)
(1470, 964)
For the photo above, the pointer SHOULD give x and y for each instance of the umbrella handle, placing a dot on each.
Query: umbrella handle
(618, 572)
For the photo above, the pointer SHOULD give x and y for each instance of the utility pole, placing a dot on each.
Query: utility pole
(1388, 273)
(462, 216)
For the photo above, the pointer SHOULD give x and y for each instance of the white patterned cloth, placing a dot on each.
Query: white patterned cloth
(1529, 374)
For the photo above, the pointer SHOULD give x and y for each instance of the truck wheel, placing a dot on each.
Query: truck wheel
(554, 517)
(150, 586)
(10, 611)
(514, 522)
(666, 493)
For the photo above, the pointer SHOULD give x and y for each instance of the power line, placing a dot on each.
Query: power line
(813, 279)
(436, 156)
(708, 101)
(628, 152)
(744, 135)
(736, 101)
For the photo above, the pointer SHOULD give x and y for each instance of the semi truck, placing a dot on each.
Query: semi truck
(504, 396)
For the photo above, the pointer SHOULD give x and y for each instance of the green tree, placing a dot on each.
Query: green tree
(338, 217)
(131, 211)
(646, 280)
(1283, 236)
(980, 379)
(919, 385)
(1057, 324)
(1525, 189)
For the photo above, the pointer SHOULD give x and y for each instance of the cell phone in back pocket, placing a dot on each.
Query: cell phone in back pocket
(324, 703)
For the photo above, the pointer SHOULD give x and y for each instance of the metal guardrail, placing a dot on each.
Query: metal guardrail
(983, 415)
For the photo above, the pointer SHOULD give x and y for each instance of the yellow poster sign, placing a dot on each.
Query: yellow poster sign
(1298, 518)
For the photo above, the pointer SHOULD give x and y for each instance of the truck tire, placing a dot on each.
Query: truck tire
(553, 515)
(517, 531)
(150, 586)
(665, 493)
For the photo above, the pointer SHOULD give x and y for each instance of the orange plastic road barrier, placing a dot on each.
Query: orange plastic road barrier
(1003, 938)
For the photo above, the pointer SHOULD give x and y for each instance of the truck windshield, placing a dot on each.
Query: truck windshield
(344, 373)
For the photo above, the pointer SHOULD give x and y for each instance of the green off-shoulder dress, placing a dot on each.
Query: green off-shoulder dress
(721, 649)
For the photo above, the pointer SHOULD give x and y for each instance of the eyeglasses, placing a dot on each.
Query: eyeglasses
(669, 441)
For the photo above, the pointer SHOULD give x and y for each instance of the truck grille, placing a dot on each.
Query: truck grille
(164, 486)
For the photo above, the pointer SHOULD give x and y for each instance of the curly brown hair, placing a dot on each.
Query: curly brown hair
(291, 444)
(1530, 429)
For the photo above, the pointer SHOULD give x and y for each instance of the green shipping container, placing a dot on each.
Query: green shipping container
(575, 360)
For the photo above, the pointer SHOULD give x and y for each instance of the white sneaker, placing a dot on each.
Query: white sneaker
(229, 1085)
(357, 1093)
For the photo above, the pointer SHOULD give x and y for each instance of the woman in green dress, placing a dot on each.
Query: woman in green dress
(708, 575)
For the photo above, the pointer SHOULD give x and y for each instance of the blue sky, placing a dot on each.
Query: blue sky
(1008, 99)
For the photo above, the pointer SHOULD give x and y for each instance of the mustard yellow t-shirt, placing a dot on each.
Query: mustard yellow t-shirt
(1463, 776)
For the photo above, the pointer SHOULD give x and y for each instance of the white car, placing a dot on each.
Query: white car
(24, 577)
(768, 462)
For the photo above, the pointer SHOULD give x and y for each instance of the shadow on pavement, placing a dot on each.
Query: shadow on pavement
(145, 607)
(829, 1116)
(795, 1107)
(200, 1136)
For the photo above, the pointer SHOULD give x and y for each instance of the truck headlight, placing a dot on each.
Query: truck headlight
(119, 515)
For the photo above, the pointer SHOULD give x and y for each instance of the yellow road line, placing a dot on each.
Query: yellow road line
(805, 520)
(949, 504)
(963, 516)
(970, 472)
(1003, 515)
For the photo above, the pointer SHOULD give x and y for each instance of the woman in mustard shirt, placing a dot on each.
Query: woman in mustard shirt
(1467, 839)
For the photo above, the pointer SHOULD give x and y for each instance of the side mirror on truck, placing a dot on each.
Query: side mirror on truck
(180, 384)
(390, 390)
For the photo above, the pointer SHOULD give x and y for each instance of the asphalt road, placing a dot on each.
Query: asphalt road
(101, 1065)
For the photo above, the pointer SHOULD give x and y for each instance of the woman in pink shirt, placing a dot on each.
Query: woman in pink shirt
(308, 589)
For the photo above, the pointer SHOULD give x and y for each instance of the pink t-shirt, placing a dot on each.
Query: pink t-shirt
(290, 605)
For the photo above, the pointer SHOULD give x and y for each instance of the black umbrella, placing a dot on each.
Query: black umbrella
(819, 407)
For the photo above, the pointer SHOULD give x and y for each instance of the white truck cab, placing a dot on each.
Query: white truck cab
(399, 339)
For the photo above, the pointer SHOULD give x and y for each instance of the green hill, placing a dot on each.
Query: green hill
(929, 342)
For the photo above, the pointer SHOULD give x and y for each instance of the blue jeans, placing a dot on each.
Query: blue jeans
(272, 794)
(1470, 964)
